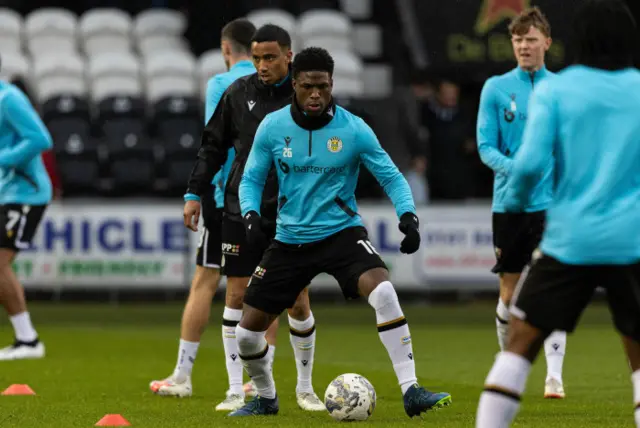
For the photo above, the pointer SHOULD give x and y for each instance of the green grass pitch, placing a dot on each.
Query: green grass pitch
(101, 358)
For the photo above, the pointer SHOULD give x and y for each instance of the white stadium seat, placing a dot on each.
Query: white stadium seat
(11, 29)
(105, 30)
(170, 74)
(59, 73)
(210, 63)
(328, 29)
(277, 17)
(114, 74)
(347, 74)
(51, 30)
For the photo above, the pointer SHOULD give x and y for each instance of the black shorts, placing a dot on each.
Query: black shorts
(19, 225)
(209, 253)
(515, 237)
(555, 294)
(239, 260)
(286, 269)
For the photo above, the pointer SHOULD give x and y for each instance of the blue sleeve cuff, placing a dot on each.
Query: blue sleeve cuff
(191, 197)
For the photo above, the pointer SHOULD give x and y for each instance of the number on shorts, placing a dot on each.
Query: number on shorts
(368, 246)
(14, 218)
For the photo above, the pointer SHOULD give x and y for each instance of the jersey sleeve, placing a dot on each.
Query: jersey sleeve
(488, 132)
(215, 143)
(34, 138)
(256, 170)
(536, 152)
(378, 162)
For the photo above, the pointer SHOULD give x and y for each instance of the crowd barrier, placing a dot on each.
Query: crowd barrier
(107, 244)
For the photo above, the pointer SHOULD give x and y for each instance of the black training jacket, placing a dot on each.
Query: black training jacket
(233, 124)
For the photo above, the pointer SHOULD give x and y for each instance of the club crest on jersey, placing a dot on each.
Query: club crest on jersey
(510, 114)
(334, 145)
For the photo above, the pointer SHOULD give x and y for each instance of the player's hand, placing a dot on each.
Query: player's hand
(191, 215)
(255, 235)
(409, 226)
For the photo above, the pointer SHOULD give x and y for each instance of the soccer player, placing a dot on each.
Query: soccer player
(236, 49)
(25, 192)
(318, 148)
(585, 122)
(239, 112)
(501, 121)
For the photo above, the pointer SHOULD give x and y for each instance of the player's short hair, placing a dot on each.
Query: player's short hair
(605, 34)
(531, 17)
(239, 33)
(313, 59)
(272, 33)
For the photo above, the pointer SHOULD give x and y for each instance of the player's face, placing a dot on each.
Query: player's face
(313, 91)
(271, 61)
(530, 48)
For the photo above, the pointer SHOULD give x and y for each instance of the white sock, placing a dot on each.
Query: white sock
(271, 356)
(502, 323)
(23, 328)
(253, 350)
(635, 378)
(302, 335)
(230, 319)
(186, 358)
(394, 333)
(554, 349)
(505, 384)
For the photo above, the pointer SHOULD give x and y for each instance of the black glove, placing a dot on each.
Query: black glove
(409, 226)
(255, 236)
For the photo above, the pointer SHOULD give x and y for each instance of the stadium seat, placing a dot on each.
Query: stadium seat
(178, 125)
(328, 29)
(114, 74)
(377, 80)
(50, 30)
(131, 152)
(105, 30)
(170, 74)
(14, 64)
(210, 63)
(11, 28)
(160, 29)
(357, 9)
(279, 17)
(367, 40)
(347, 75)
(59, 74)
(68, 119)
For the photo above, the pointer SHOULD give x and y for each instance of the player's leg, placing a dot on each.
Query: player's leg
(302, 335)
(552, 298)
(351, 258)
(623, 293)
(194, 321)
(20, 223)
(508, 233)
(195, 316)
(272, 289)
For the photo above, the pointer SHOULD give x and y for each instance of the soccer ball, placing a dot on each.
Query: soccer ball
(350, 397)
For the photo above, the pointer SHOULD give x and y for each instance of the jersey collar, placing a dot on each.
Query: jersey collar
(312, 123)
(531, 77)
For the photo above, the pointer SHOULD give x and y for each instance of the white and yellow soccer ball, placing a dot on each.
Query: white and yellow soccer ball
(350, 397)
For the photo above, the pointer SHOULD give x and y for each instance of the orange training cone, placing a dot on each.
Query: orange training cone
(113, 421)
(17, 389)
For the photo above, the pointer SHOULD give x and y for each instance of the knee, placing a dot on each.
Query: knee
(382, 295)
(525, 339)
(235, 292)
(205, 279)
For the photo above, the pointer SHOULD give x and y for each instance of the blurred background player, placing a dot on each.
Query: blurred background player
(236, 48)
(25, 192)
(318, 228)
(501, 120)
(240, 110)
(585, 122)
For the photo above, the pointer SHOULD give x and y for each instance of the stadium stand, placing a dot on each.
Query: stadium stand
(123, 95)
